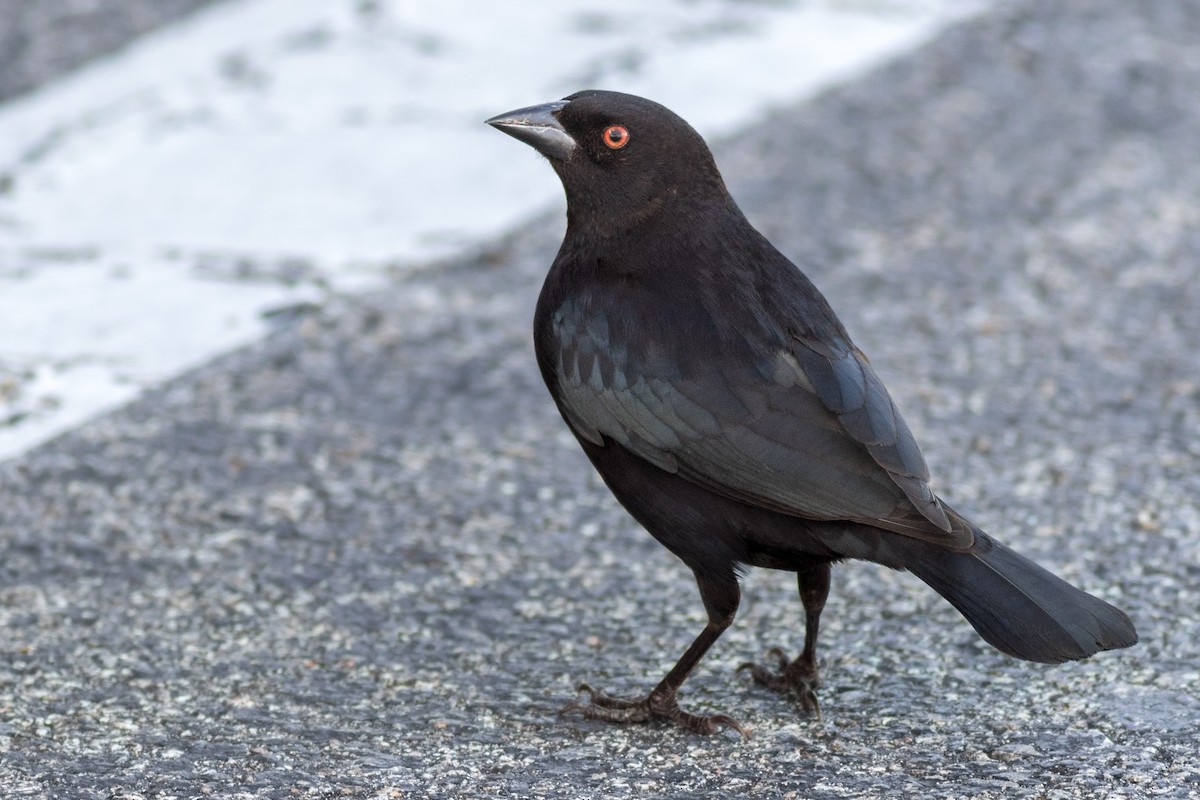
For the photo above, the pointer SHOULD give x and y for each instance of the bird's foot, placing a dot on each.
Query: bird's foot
(658, 706)
(798, 678)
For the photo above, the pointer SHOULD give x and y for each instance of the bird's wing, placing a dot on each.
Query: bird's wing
(807, 429)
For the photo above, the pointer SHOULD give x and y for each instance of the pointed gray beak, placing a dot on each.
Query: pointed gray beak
(538, 127)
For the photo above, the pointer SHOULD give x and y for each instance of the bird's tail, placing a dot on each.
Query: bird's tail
(1018, 607)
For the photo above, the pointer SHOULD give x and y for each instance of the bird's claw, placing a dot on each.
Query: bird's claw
(760, 673)
(597, 699)
(656, 707)
(808, 701)
(716, 720)
(797, 678)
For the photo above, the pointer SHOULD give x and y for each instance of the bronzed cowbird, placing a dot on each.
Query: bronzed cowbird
(724, 404)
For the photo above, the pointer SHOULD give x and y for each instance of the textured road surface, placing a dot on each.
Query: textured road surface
(364, 559)
(41, 40)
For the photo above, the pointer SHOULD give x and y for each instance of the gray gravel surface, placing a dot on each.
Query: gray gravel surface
(364, 558)
(42, 39)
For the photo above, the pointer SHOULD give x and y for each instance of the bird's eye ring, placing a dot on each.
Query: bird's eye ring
(615, 136)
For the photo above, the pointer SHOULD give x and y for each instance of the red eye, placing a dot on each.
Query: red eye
(616, 136)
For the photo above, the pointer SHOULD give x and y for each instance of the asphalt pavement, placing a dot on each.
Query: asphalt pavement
(364, 558)
(43, 40)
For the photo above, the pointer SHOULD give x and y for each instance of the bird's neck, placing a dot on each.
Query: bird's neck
(595, 217)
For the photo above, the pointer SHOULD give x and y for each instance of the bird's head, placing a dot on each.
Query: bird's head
(620, 157)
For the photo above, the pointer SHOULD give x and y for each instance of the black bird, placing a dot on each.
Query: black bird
(726, 407)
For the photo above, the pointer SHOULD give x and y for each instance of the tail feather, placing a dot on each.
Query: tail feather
(1020, 608)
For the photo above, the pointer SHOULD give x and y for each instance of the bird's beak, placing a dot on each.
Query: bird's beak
(538, 127)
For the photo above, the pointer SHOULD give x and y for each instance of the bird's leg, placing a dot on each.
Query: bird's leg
(721, 599)
(800, 677)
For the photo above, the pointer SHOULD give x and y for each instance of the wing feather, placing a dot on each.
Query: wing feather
(807, 429)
